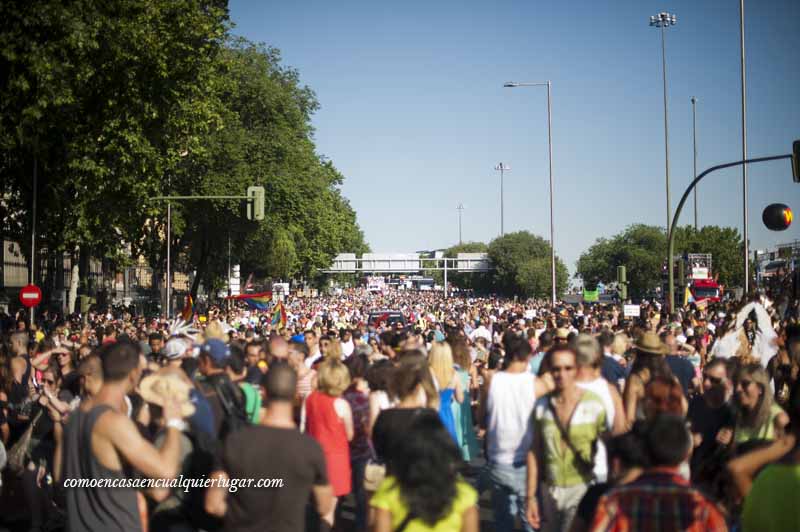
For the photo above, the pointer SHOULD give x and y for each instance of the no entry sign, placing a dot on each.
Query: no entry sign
(30, 296)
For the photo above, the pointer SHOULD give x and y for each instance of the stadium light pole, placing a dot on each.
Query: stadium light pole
(502, 168)
(662, 21)
(513, 84)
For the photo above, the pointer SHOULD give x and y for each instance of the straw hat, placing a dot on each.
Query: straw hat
(649, 342)
(562, 333)
(159, 387)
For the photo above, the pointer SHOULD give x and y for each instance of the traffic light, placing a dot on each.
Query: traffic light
(796, 161)
(777, 217)
(255, 203)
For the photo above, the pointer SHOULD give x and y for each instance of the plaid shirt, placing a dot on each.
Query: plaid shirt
(659, 500)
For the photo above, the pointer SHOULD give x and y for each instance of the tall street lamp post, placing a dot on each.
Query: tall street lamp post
(694, 145)
(662, 21)
(460, 208)
(512, 84)
(502, 168)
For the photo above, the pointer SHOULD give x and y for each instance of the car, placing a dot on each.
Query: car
(389, 317)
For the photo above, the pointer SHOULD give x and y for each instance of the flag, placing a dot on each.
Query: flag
(249, 284)
(591, 296)
(259, 301)
(188, 309)
(687, 297)
(279, 315)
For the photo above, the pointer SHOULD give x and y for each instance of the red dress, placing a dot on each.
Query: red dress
(325, 426)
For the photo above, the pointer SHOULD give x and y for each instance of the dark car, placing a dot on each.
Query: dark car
(389, 317)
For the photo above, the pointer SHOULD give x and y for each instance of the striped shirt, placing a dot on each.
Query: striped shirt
(588, 421)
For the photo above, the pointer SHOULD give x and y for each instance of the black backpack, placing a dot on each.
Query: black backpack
(233, 406)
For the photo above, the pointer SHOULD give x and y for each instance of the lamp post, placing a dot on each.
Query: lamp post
(662, 21)
(501, 167)
(694, 145)
(512, 84)
(744, 152)
(460, 208)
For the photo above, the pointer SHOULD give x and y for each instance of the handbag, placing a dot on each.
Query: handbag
(374, 471)
(20, 451)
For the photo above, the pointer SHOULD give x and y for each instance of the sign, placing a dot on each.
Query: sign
(699, 272)
(632, 311)
(30, 295)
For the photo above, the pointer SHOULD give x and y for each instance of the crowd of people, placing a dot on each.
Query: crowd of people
(568, 418)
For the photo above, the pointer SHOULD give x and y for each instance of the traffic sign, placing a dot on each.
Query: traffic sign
(30, 295)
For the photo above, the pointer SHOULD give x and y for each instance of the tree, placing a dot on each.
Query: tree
(521, 264)
(725, 245)
(101, 98)
(642, 250)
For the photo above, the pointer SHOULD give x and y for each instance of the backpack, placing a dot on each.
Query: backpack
(233, 406)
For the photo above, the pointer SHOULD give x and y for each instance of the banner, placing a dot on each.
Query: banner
(591, 296)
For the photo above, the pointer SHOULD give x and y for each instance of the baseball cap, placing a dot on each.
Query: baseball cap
(217, 350)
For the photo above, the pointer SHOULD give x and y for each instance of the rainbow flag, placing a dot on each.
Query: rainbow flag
(188, 309)
(279, 315)
(260, 301)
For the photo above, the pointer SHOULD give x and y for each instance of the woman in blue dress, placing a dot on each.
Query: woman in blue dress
(448, 384)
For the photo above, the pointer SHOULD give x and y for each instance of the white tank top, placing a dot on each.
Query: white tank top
(509, 430)
(599, 386)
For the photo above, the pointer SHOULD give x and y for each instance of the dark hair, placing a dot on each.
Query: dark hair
(119, 359)
(606, 338)
(667, 440)
(545, 340)
(280, 383)
(236, 362)
(379, 375)
(495, 359)
(426, 467)
(155, 336)
(412, 370)
(628, 448)
(189, 366)
(517, 349)
(357, 365)
(300, 347)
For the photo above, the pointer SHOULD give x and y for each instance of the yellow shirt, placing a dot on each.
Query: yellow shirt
(388, 498)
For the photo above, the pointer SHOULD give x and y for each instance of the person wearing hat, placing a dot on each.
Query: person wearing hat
(649, 362)
(175, 351)
(226, 399)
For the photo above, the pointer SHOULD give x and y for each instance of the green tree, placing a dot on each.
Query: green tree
(725, 245)
(521, 264)
(102, 98)
(640, 248)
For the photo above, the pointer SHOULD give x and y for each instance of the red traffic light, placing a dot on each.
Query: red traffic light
(777, 217)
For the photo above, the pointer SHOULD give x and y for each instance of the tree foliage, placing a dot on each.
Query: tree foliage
(521, 262)
(642, 250)
(119, 102)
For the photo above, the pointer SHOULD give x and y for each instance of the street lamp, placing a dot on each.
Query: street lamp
(512, 84)
(460, 208)
(502, 167)
(664, 20)
(694, 144)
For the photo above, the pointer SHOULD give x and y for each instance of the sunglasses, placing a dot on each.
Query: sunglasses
(714, 380)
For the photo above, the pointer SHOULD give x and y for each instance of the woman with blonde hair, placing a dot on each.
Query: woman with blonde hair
(329, 420)
(447, 382)
(758, 417)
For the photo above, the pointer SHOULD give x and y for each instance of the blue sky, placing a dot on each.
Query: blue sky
(414, 115)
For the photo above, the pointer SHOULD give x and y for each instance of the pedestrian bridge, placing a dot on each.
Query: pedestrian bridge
(409, 263)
